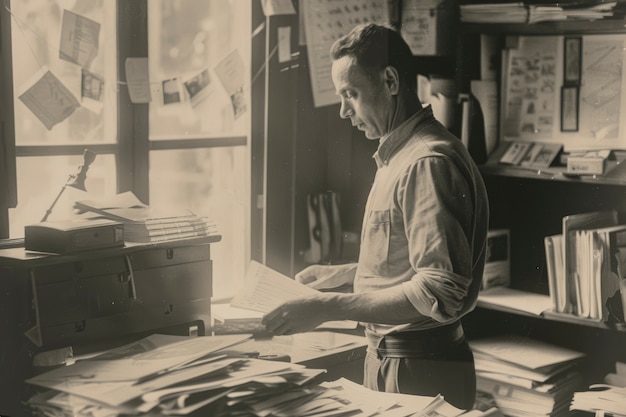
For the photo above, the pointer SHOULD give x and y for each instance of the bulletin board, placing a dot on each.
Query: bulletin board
(565, 89)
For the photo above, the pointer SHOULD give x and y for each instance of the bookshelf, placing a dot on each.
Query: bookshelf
(531, 204)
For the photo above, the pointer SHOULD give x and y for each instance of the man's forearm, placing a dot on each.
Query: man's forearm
(389, 306)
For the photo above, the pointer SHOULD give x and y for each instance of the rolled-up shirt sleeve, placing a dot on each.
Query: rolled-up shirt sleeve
(437, 207)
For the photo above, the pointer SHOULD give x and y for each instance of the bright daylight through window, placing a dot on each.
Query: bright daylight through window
(198, 119)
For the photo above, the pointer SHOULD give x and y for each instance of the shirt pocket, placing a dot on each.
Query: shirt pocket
(375, 254)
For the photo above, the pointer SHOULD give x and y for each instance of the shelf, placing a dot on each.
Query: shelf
(554, 316)
(604, 26)
(615, 170)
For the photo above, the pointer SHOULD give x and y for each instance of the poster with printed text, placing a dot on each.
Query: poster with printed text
(325, 21)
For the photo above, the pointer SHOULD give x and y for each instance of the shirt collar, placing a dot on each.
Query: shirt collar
(397, 137)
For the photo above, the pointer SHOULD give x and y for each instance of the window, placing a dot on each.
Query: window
(199, 59)
(46, 156)
(187, 148)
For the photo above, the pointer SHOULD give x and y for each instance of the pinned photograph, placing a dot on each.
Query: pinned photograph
(171, 91)
(92, 85)
(238, 100)
(197, 87)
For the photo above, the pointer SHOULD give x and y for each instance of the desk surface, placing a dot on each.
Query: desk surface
(341, 354)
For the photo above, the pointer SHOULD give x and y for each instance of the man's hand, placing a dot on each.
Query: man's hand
(323, 277)
(296, 316)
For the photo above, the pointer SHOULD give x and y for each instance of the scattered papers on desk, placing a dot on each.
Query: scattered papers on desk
(512, 299)
(210, 380)
(265, 289)
(526, 377)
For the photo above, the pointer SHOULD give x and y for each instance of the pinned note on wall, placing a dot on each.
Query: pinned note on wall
(231, 73)
(48, 98)
(79, 39)
(138, 79)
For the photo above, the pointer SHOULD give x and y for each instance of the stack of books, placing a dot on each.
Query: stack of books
(144, 224)
(526, 377)
(585, 265)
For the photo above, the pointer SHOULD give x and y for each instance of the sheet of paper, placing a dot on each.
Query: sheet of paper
(265, 289)
(284, 44)
(79, 39)
(326, 21)
(419, 26)
(138, 360)
(138, 79)
(277, 7)
(517, 300)
(231, 73)
(49, 99)
(524, 351)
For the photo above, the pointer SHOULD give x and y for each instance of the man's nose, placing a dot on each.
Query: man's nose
(345, 110)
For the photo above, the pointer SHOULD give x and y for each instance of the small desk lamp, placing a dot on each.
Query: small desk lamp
(74, 180)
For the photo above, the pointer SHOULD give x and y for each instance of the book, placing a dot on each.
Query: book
(555, 271)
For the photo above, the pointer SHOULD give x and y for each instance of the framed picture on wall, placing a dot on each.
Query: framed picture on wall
(569, 109)
(572, 60)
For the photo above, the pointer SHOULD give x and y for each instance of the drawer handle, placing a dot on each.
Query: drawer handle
(169, 253)
(132, 292)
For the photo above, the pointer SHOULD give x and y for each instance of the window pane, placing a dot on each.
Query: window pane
(36, 39)
(211, 182)
(40, 179)
(187, 40)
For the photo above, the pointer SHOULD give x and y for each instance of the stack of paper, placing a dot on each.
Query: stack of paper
(601, 399)
(607, 398)
(494, 13)
(145, 224)
(526, 377)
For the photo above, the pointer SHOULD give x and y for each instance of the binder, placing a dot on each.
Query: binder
(571, 223)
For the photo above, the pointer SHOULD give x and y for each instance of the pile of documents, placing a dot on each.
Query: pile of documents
(585, 265)
(607, 398)
(526, 377)
(145, 224)
(601, 399)
(521, 12)
(176, 375)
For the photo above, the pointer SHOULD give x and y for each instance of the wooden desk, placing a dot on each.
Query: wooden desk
(97, 299)
(341, 354)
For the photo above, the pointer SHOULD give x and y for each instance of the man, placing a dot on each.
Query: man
(423, 238)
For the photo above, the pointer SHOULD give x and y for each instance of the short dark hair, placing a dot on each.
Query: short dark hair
(375, 47)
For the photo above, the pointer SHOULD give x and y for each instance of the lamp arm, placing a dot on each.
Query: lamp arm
(45, 217)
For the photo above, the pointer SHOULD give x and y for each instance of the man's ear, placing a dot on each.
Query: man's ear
(392, 80)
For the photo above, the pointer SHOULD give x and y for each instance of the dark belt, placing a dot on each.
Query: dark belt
(420, 343)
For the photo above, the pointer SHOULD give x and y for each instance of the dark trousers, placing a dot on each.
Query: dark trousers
(429, 362)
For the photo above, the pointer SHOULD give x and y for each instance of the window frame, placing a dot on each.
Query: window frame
(132, 146)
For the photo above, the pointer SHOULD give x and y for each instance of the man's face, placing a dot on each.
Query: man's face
(365, 101)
